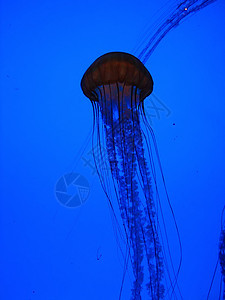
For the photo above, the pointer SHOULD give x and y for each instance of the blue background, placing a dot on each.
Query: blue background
(48, 251)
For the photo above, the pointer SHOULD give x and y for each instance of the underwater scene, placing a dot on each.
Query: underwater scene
(112, 156)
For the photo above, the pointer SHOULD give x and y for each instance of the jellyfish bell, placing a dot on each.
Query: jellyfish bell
(117, 67)
(119, 82)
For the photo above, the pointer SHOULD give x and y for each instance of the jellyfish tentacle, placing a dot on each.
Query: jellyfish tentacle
(128, 199)
(125, 152)
(153, 248)
(183, 10)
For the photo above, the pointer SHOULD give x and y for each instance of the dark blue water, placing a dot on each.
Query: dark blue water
(64, 247)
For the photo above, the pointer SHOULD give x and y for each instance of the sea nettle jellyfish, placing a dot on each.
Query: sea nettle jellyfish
(222, 256)
(117, 84)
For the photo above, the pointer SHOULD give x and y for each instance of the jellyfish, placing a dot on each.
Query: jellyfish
(222, 255)
(173, 19)
(117, 84)
(222, 259)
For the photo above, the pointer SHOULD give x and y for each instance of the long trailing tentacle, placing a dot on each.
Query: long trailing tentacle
(128, 164)
(181, 11)
(151, 145)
